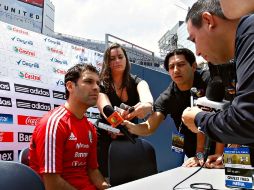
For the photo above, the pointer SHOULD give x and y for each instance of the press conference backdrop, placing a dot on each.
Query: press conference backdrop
(32, 82)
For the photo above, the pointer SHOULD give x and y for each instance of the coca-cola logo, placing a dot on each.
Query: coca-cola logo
(28, 120)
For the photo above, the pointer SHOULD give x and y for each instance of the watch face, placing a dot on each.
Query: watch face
(200, 155)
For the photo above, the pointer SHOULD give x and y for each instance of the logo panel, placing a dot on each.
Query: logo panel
(24, 137)
(6, 118)
(7, 155)
(28, 120)
(6, 136)
(5, 102)
(26, 104)
(31, 90)
(4, 86)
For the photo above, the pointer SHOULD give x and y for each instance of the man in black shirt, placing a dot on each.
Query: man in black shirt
(181, 65)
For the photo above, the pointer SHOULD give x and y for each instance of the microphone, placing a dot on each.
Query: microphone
(115, 120)
(193, 91)
(127, 107)
(213, 101)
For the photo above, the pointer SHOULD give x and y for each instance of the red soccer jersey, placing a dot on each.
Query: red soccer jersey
(63, 144)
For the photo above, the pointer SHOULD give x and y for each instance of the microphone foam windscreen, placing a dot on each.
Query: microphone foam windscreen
(108, 110)
(215, 91)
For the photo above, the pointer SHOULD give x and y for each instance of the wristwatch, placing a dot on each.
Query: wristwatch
(200, 155)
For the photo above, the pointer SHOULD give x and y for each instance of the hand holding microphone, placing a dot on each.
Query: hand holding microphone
(115, 120)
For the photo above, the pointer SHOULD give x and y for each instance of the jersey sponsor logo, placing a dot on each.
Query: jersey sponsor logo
(72, 137)
(80, 154)
(28, 120)
(81, 145)
(24, 51)
(17, 30)
(24, 137)
(53, 50)
(78, 164)
(6, 118)
(31, 90)
(26, 104)
(5, 102)
(55, 42)
(4, 86)
(28, 64)
(7, 155)
(6, 136)
(59, 95)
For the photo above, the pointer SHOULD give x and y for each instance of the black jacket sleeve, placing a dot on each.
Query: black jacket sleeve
(236, 124)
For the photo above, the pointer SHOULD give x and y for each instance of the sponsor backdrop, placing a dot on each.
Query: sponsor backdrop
(32, 82)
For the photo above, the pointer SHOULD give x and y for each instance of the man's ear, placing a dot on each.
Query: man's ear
(69, 85)
(194, 66)
(208, 20)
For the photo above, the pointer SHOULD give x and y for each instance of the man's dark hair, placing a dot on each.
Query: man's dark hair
(201, 6)
(188, 54)
(74, 73)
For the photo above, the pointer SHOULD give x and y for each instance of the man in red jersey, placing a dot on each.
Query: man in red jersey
(63, 146)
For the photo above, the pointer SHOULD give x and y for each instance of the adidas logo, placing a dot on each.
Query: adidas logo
(72, 137)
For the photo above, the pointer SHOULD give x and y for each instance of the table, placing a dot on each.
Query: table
(168, 179)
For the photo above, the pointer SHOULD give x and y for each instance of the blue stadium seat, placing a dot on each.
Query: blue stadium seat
(17, 176)
(128, 162)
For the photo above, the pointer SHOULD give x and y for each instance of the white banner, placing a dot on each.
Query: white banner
(32, 82)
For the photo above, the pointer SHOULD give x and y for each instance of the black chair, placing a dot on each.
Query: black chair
(128, 161)
(23, 156)
(17, 176)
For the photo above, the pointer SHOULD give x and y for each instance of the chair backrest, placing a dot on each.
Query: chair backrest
(23, 156)
(128, 161)
(17, 176)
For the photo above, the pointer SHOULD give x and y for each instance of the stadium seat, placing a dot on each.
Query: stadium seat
(23, 156)
(17, 176)
(128, 162)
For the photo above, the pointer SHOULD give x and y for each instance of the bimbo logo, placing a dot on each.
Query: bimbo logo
(55, 60)
(59, 71)
(24, 137)
(28, 120)
(5, 102)
(4, 86)
(29, 76)
(31, 90)
(6, 118)
(20, 31)
(7, 155)
(24, 51)
(25, 42)
(53, 50)
(56, 42)
(28, 64)
(26, 104)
